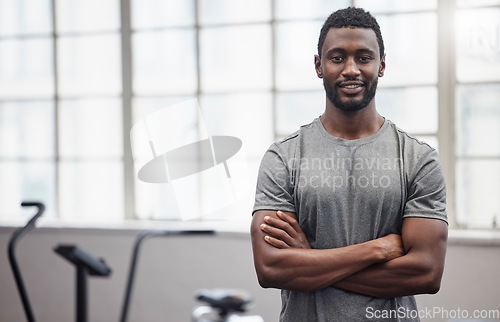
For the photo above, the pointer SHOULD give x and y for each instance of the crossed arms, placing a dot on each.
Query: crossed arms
(390, 266)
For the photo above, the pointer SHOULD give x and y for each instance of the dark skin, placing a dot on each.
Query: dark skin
(350, 54)
(283, 258)
(391, 266)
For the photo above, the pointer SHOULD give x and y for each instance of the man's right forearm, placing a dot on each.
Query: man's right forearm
(308, 270)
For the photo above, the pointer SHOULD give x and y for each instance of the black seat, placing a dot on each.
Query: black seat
(225, 300)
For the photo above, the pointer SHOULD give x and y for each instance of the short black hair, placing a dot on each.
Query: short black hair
(351, 17)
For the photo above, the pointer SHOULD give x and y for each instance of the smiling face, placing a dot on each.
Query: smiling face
(350, 65)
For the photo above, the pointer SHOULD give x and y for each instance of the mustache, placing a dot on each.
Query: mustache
(350, 79)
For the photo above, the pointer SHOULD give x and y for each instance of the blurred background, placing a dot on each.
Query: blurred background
(76, 75)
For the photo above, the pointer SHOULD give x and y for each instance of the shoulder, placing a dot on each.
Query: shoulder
(410, 144)
(412, 150)
(418, 157)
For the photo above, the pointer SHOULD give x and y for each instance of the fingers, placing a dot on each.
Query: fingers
(277, 233)
(276, 242)
(280, 229)
(291, 220)
(284, 231)
(283, 222)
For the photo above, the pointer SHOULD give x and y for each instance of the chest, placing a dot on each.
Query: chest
(344, 170)
(347, 195)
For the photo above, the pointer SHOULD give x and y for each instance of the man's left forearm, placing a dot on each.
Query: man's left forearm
(406, 275)
(419, 271)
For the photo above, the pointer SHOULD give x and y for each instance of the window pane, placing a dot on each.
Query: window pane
(296, 45)
(413, 109)
(169, 128)
(162, 137)
(478, 188)
(295, 109)
(234, 11)
(206, 195)
(162, 13)
(253, 111)
(87, 15)
(27, 129)
(236, 58)
(160, 67)
(396, 5)
(24, 73)
(89, 65)
(308, 9)
(478, 120)
(158, 201)
(478, 45)
(26, 181)
(24, 17)
(90, 128)
(91, 191)
(476, 3)
(144, 106)
(411, 53)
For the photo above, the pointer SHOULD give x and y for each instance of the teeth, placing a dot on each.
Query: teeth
(351, 86)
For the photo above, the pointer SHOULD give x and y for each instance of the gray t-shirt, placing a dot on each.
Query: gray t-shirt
(347, 192)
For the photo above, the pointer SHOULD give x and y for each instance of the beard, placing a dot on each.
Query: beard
(332, 93)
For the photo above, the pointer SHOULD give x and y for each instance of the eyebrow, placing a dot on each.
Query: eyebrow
(342, 50)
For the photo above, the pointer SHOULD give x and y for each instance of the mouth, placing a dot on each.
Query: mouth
(351, 87)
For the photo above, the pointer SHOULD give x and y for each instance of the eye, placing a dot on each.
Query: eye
(365, 59)
(337, 59)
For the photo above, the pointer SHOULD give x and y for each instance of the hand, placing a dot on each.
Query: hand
(391, 247)
(284, 231)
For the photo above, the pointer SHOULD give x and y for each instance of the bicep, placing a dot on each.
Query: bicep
(263, 251)
(426, 239)
(419, 271)
(264, 255)
(256, 233)
(260, 247)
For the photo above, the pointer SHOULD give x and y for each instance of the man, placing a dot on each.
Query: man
(350, 216)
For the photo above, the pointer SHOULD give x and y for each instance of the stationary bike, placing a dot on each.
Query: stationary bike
(220, 305)
(224, 305)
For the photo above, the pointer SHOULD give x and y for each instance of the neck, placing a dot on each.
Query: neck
(351, 125)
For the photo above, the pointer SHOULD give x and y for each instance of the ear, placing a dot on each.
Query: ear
(381, 68)
(317, 66)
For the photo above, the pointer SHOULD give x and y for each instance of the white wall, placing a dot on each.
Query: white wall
(171, 269)
(471, 281)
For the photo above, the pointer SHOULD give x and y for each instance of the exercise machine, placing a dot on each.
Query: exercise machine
(220, 305)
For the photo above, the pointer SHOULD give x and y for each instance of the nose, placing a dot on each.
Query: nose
(350, 68)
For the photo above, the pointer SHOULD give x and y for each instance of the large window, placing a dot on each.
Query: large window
(75, 76)
(27, 108)
(478, 113)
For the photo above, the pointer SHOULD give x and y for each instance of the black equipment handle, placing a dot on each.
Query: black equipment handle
(80, 258)
(85, 265)
(16, 236)
(143, 236)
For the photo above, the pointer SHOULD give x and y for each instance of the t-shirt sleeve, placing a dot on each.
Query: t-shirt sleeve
(427, 190)
(274, 189)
